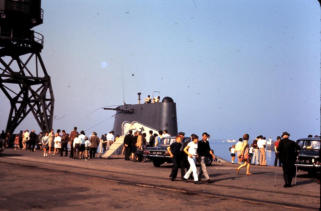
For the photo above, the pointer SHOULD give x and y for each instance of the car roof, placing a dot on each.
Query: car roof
(310, 139)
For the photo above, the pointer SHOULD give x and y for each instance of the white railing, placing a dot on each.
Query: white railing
(38, 38)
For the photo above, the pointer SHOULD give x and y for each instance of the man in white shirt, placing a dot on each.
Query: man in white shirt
(76, 143)
(110, 139)
(166, 137)
(261, 143)
(82, 139)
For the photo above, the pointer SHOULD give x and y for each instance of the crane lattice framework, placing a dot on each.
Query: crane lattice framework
(23, 76)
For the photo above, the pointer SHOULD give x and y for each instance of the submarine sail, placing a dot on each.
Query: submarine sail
(150, 116)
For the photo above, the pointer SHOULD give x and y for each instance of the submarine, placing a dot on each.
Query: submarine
(154, 116)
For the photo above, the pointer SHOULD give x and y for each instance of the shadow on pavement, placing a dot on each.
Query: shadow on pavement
(222, 179)
(9, 155)
(45, 199)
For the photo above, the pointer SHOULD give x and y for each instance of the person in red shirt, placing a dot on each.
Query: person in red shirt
(277, 153)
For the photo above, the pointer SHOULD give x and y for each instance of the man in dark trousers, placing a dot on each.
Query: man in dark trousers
(151, 139)
(204, 151)
(175, 153)
(184, 165)
(94, 142)
(32, 140)
(64, 143)
(128, 144)
(288, 152)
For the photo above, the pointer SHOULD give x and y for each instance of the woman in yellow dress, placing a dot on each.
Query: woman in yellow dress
(245, 155)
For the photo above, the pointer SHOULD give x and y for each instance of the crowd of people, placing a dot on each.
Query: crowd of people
(286, 152)
(257, 151)
(185, 155)
(136, 141)
(76, 144)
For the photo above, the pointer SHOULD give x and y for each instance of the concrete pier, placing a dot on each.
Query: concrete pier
(30, 181)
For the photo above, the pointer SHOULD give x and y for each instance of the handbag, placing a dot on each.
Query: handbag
(246, 153)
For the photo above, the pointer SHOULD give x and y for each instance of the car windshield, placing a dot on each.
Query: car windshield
(309, 144)
(167, 141)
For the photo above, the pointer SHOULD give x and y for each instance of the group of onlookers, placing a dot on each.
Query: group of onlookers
(257, 150)
(285, 149)
(75, 144)
(134, 144)
(150, 99)
(136, 141)
(24, 140)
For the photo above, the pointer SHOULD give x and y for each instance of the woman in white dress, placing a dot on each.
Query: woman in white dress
(57, 142)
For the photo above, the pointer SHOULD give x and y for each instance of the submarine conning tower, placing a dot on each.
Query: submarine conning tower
(159, 116)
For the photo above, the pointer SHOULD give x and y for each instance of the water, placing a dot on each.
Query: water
(221, 149)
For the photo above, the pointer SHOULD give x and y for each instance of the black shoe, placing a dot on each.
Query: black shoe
(185, 180)
(197, 182)
(172, 179)
(209, 181)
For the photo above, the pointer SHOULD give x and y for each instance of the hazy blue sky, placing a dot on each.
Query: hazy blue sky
(232, 66)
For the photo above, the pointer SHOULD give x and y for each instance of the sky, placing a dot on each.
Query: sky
(232, 67)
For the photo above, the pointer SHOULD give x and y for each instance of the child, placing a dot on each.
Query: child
(57, 142)
(251, 152)
(232, 151)
(44, 143)
(87, 145)
(16, 142)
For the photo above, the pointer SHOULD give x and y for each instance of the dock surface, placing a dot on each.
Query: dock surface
(30, 181)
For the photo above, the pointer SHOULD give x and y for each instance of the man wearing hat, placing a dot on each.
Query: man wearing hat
(288, 152)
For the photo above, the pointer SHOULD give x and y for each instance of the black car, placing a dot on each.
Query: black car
(159, 154)
(309, 154)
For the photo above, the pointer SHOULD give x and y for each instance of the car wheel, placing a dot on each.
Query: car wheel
(311, 172)
(157, 163)
(140, 158)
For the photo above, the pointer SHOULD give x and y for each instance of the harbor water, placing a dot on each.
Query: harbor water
(221, 149)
